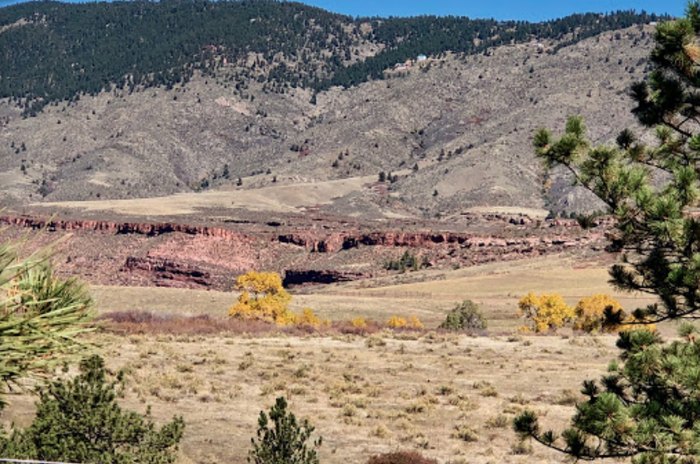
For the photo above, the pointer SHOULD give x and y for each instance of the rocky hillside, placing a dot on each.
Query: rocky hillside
(445, 134)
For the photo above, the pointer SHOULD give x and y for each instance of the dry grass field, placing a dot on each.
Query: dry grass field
(496, 287)
(450, 396)
(289, 198)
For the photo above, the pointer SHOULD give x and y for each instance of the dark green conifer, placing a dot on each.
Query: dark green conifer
(78, 420)
(648, 408)
(282, 440)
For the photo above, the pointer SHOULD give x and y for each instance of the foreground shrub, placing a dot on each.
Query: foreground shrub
(401, 457)
(465, 316)
(79, 420)
(282, 440)
(544, 312)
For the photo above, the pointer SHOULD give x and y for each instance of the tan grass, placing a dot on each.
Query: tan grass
(280, 198)
(363, 401)
(495, 287)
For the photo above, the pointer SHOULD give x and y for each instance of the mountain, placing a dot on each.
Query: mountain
(140, 99)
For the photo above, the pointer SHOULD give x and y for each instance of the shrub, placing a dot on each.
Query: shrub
(414, 323)
(308, 318)
(79, 420)
(398, 322)
(466, 433)
(544, 312)
(284, 441)
(407, 262)
(464, 316)
(357, 326)
(401, 457)
(605, 314)
(359, 323)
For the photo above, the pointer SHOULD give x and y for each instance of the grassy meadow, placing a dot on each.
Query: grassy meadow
(449, 396)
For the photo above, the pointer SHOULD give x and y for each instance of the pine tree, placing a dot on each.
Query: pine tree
(79, 420)
(647, 408)
(656, 231)
(284, 441)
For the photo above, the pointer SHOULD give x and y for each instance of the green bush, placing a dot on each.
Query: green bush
(465, 316)
(285, 440)
(79, 420)
(407, 262)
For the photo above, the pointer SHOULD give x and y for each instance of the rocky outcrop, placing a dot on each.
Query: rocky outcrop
(139, 228)
(335, 242)
(320, 242)
(192, 256)
(167, 273)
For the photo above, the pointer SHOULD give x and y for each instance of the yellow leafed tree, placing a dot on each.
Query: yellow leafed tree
(262, 298)
(591, 316)
(544, 312)
(590, 313)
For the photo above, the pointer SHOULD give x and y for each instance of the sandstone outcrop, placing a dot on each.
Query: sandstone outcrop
(139, 228)
(202, 256)
(167, 273)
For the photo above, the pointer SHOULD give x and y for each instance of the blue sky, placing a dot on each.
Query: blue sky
(531, 10)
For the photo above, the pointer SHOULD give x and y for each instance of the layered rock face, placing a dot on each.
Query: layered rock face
(140, 228)
(200, 256)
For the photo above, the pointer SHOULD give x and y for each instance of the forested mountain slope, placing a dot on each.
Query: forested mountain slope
(158, 98)
(54, 51)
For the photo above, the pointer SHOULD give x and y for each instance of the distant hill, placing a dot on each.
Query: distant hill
(143, 99)
(52, 52)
